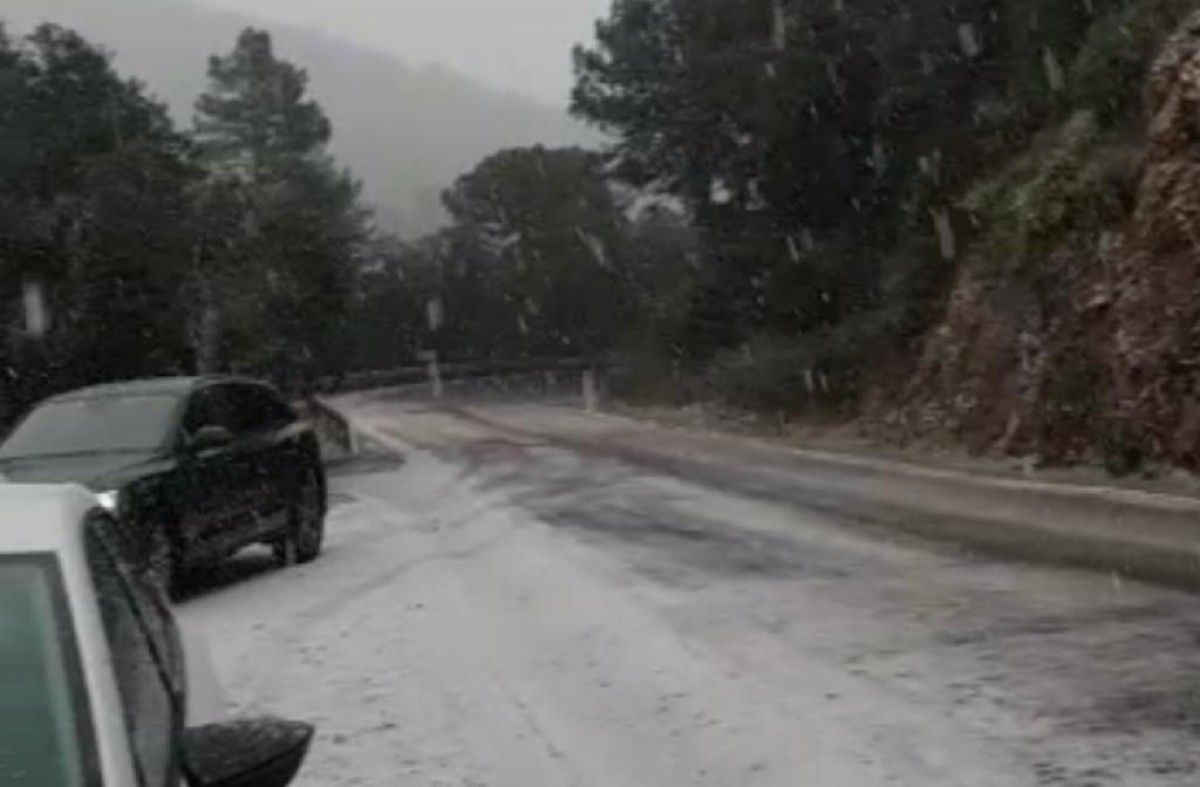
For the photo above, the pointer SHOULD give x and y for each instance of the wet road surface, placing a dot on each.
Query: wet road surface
(525, 600)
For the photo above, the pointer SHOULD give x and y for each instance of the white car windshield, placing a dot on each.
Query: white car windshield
(40, 681)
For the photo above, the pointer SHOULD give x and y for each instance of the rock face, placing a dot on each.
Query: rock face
(1013, 365)
(1155, 340)
(1073, 328)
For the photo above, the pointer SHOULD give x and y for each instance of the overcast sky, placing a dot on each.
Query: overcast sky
(521, 45)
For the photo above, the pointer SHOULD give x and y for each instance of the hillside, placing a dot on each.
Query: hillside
(406, 131)
(1070, 332)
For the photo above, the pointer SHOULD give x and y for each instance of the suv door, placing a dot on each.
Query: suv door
(268, 431)
(220, 484)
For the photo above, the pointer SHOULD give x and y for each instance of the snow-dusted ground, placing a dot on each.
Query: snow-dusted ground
(504, 610)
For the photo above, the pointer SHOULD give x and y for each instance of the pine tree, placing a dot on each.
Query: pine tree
(275, 275)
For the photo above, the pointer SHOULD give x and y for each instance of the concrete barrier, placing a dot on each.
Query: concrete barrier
(336, 434)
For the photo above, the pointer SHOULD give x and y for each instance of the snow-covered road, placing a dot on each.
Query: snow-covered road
(503, 609)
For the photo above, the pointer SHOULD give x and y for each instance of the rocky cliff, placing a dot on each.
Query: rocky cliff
(1072, 331)
(1153, 341)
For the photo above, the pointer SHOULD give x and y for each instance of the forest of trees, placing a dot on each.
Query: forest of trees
(790, 186)
(778, 217)
(130, 247)
(823, 150)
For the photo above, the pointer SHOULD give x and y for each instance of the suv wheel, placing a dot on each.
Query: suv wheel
(306, 530)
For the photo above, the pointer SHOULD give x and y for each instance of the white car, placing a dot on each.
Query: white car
(95, 690)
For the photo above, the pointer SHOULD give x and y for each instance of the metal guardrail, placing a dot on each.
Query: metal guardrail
(414, 375)
(572, 379)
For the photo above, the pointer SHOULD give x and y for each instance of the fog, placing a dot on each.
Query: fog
(519, 45)
(406, 123)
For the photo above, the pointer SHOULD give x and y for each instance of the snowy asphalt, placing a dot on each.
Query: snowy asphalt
(509, 608)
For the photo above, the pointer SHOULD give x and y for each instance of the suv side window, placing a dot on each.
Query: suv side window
(279, 413)
(211, 406)
(257, 409)
(146, 657)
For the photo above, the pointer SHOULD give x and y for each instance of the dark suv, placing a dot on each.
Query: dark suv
(194, 468)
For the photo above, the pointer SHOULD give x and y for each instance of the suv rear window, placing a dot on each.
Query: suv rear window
(45, 725)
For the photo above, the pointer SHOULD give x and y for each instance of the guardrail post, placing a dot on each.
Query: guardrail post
(435, 377)
(590, 397)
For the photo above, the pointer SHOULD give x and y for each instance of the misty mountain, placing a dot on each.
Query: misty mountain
(407, 132)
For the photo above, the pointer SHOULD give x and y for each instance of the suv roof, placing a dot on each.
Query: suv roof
(160, 386)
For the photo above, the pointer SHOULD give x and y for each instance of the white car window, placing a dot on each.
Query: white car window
(46, 736)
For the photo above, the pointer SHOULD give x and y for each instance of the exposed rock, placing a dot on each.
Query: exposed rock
(991, 374)
(1073, 326)
(1155, 347)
